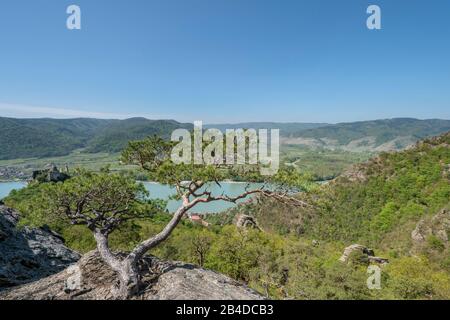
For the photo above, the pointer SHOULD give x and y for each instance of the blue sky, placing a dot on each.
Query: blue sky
(226, 60)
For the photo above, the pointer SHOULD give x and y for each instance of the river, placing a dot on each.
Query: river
(7, 187)
(158, 191)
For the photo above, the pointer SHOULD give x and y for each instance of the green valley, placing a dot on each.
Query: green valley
(44, 138)
(396, 203)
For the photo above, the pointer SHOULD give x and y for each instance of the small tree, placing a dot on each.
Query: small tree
(103, 201)
(201, 243)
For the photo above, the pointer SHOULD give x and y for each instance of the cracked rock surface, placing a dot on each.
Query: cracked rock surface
(28, 254)
(91, 279)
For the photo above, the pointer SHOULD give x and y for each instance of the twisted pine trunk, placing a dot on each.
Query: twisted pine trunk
(129, 285)
(127, 271)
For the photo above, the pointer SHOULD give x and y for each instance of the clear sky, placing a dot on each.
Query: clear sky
(226, 60)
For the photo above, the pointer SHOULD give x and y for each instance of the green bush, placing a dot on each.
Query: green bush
(435, 243)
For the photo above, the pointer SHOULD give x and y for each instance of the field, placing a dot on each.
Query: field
(91, 161)
(324, 164)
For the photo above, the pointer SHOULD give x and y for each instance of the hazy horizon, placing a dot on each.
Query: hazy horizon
(219, 123)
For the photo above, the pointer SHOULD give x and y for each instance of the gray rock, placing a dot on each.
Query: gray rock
(91, 279)
(350, 249)
(37, 265)
(378, 260)
(50, 174)
(419, 234)
(369, 254)
(3, 235)
(28, 254)
(246, 221)
(438, 226)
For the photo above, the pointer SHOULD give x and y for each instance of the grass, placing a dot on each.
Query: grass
(91, 161)
(325, 164)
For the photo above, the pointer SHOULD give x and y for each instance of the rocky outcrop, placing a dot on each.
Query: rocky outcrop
(35, 265)
(246, 221)
(357, 173)
(51, 173)
(364, 255)
(27, 254)
(91, 279)
(438, 226)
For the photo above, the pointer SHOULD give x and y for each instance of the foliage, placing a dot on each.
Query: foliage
(295, 255)
(395, 188)
(321, 163)
(115, 136)
(82, 198)
(29, 138)
(153, 156)
(382, 130)
(39, 138)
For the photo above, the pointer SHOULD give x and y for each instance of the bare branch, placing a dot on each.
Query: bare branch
(282, 197)
(148, 244)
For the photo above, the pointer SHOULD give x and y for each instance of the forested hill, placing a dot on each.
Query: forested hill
(378, 202)
(372, 136)
(397, 204)
(114, 137)
(38, 138)
(30, 138)
(377, 135)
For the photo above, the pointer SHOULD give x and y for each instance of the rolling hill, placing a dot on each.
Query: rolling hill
(376, 136)
(39, 138)
(286, 128)
(378, 202)
(363, 136)
(29, 138)
(397, 204)
(115, 136)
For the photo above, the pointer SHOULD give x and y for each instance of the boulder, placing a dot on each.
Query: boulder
(246, 221)
(91, 279)
(354, 248)
(365, 253)
(27, 254)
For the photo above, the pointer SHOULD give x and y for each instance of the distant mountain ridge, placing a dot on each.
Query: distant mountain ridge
(376, 135)
(286, 128)
(39, 138)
